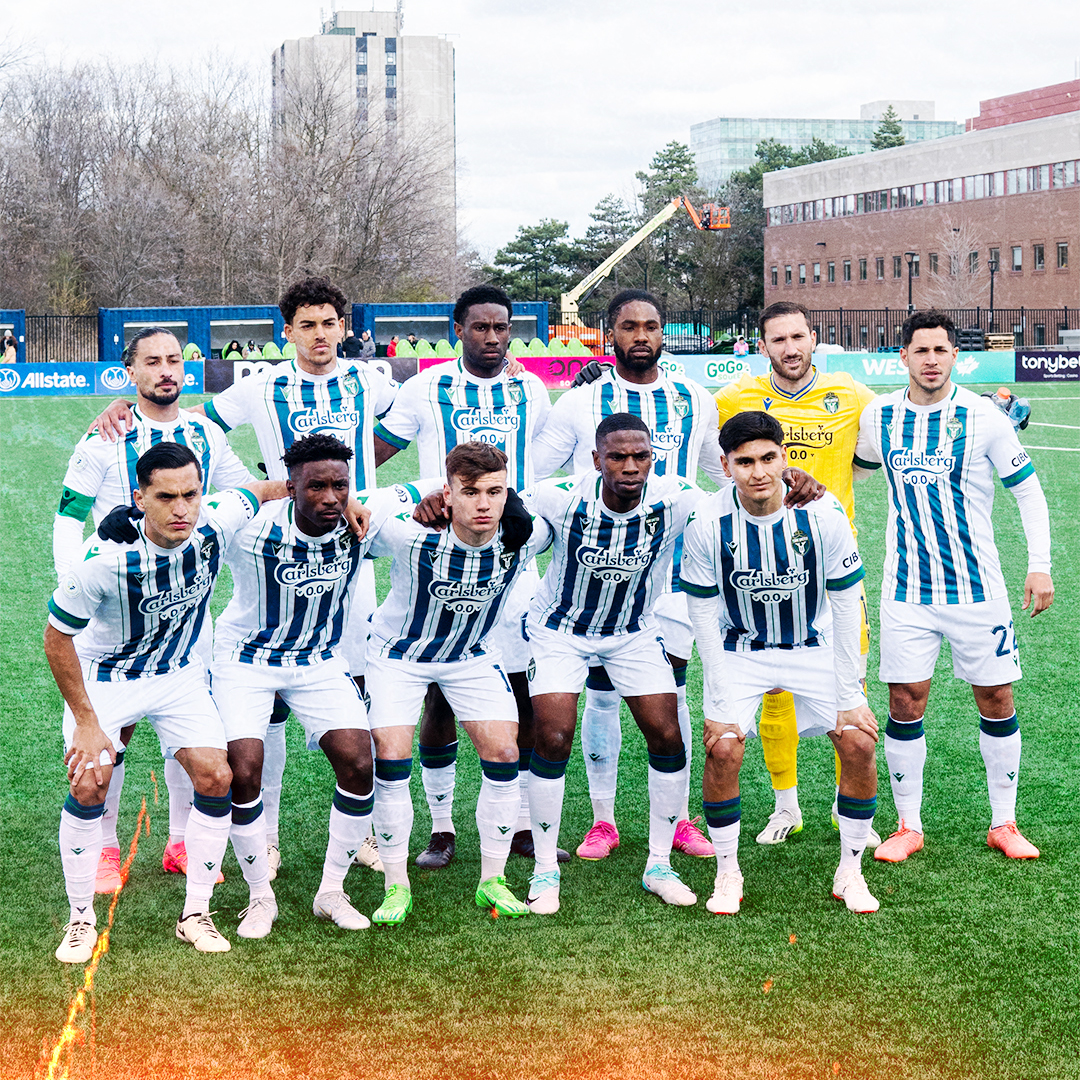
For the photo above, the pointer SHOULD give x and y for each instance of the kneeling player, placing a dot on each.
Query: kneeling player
(756, 576)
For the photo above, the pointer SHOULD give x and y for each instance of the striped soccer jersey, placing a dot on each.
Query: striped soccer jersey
(939, 465)
(820, 421)
(286, 403)
(771, 573)
(607, 568)
(446, 405)
(101, 474)
(445, 596)
(140, 607)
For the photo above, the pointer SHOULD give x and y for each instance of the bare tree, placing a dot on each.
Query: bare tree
(957, 276)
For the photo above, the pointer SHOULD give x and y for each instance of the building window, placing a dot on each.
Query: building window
(787, 275)
(995, 257)
(897, 266)
(847, 337)
(817, 272)
(1040, 334)
(832, 335)
(1018, 258)
(881, 337)
(879, 265)
(915, 266)
(830, 270)
(773, 275)
(933, 262)
(973, 262)
(862, 269)
(847, 269)
(390, 93)
(802, 273)
(863, 337)
(1063, 256)
(1038, 257)
(391, 81)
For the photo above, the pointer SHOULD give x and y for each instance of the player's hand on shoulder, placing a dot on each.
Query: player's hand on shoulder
(517, 522)
(514, 367)
(860, 717)
(592, 371)
(118, 525)
(802, 488)
(115, 422)
(432, 512)
(358, 518)
(1038, 592)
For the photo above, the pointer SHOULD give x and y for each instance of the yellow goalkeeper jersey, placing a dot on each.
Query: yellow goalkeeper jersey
(820, 421)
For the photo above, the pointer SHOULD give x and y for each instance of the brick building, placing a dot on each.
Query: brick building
(840, 233)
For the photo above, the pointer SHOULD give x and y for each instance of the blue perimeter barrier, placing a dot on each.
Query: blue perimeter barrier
(73, 380)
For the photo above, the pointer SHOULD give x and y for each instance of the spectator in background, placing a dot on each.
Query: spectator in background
(412, 340)
(391, 349)
(252, 351)
(367, 345)
(192, 352)
(10, 351)
(741, 347)
(232, 351)
(351, 346)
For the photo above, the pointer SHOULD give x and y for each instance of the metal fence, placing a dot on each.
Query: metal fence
(61, 338)
(868, 330)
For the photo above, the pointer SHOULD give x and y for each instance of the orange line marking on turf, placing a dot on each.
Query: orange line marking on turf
(154, 778)
(71, 1033)
(767, 987)
(792, 939)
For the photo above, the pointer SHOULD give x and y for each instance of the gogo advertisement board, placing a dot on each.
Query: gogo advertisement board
(1057, 365)
(72, 380)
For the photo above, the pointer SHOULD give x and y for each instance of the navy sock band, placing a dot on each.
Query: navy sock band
(524, 760)
(547, 770)
(280, 712)
(1000, 729)
(437, 757)
(119, 757)
(353, 805)
(245, 815)
(846, 806)
(499, 771)
(668, 763)
(85, 813)
(719, 814)
(597, 679)
(214, 805)
(393, 768)
(896, 729)
(680, 675)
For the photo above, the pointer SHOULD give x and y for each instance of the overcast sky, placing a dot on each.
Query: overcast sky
(561, 102)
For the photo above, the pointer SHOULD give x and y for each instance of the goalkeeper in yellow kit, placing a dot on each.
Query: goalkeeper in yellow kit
(820, 416)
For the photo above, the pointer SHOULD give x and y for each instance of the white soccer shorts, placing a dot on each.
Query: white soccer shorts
(354, 638)
(984, 648)
(636, 663)
(178, 707)
(674, 622)
(477, 689)
(508, 636)
(806, 672)
(322, 697)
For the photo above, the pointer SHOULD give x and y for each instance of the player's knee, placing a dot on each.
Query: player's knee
(857, 750)
(211, 775)
(555, 745)
(726, 753)
(87, 791)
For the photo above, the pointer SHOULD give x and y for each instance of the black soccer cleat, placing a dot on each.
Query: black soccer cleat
(522, 845)
(438, 853)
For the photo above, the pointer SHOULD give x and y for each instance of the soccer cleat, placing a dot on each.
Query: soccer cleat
(438, 853)
(1007, 839)
(544, 893)
(174, 860)
(257, 919)
(273, 860)
(690, 840)
(662, 881)
(368, 855)
(782, 824)
(522, 845)
(600, 841)
(78, 944)
(850, 886)
(495, 893)
(900, 845)
(108, 871)
(397, 903)
(199, 929)
(873, 841)
(727, 894)
(335, 907)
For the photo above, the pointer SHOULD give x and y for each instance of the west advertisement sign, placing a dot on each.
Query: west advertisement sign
(1057, 365)
(79, 379)
(887, 369)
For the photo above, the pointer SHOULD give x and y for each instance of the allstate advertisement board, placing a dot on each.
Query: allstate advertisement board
(887, 369)
(1058, 365)
(72, 380)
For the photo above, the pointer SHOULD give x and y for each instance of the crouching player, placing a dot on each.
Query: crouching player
(756, 577)
(120, 642)
(447, 592)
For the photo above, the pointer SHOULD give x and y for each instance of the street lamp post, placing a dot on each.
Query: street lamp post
(992, 266)
(910, 256)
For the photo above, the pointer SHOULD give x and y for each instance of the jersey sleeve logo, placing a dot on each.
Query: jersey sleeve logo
(72, 587)
(800, 541)
(351, 384)
(67, 498)
(652, 523)
(830, 403)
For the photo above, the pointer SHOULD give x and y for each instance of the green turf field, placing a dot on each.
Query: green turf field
(970, 969)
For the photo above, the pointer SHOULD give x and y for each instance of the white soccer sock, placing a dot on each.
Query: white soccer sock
(667, 788)
(725, 840)
(905, 753)
(205, 838)
(524, 823)
(273, 772)
(350, 822)
(248, 836)
(787, 798)
(1001, 756)
(687, 733)
(80, 849)
(601, 741)
(856, 817)
(496, 813)
(438, 771)
(112, 803)
(393, 812)
(546, 787)
(181, 796)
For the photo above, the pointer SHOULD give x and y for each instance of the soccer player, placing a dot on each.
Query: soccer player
(101, 476)
(615, 529)
(294, 568)
(939, 445)
(120, 643)
(473, 399)
(820, 416)
(774, 598)
(315, 392)
(447, 593)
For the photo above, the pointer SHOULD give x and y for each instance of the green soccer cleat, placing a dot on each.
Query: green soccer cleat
(495, 894)
(397, 903)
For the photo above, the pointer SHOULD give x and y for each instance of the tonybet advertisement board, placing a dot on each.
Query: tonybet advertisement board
(1056, 365)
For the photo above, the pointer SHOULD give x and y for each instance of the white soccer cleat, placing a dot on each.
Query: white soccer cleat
(662, 881)
(727, 894)
(273, 859)
(850, 886)
(544, 893)
(335, 907)
(257, 919)
(781, 825)
(199, 930)
(78, 944)
(368, 855)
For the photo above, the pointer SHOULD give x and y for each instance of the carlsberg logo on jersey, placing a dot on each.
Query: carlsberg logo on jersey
(465, 597)
(920, 468)
(312, 579)
(474, 421)
(612, 566)
(175, 602)
(767, 587)
(310, 420)
(664, 442)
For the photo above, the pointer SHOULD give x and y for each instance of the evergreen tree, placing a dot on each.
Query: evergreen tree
(890, 131)
(537, 264)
